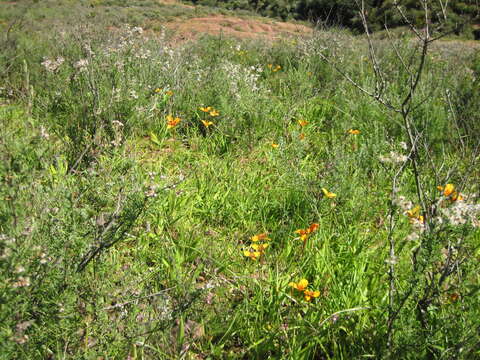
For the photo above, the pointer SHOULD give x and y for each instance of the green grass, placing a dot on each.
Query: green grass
(88, 163)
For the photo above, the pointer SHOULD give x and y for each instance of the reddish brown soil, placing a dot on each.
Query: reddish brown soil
(235, 27)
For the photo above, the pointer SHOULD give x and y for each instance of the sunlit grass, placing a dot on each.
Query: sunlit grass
(239, 195)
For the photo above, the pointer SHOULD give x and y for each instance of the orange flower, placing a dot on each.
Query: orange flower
(449, 191)
(172, 122)
(254, 255)
(274, 145)
(311, 294)
(305, 233)
(214, 113)
(302, 123)
(300, 286)
(206, 123)
(454, 297)
(206, 109)
(301, 136)
(328, 194)
(414, 214)
(312, 228)
(260, 237)
(169, 92)
(256, 250)
(260, 247)
(456, 196)
(353, 132)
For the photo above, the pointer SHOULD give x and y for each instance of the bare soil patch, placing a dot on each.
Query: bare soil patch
(235, 27)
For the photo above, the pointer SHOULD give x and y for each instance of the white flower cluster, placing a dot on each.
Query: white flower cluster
(241, 76)
(128, 37)
(53, 65)
(393, 158)
(6, 252)
(43, 133)
(81, 64)
(453, 212)
(88, 50)
(403, 203)
(461, 213)
(415, 217)
(136, 31)
(143, 54)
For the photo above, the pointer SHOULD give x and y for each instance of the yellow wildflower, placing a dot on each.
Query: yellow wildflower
(328, 194)
(172, 122)
(415, 214)
(214, 112)
(305, 233)
(312, 228)
(354, 132)
(449, 191)
(254, 255)
(277, 68)
(157, 90)
(300, 286)
(260, 237)
(302, 122)
(260, 247)
(256, 250)
(169, 92)
(274, 145)
(206, 123)
(311, 294)
(206, 109)
(456, 196)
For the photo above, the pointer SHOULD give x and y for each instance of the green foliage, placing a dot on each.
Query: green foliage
(344, 13)
(123, 237)
(467, 100)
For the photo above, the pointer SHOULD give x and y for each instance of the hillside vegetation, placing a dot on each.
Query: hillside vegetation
(461, 14)
(296, 197)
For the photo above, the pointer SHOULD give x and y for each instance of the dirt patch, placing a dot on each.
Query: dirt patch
(235, 27)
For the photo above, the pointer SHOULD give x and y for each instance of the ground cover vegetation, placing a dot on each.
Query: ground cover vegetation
(308, 198)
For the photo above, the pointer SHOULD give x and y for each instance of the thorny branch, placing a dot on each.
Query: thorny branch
(414, 67)
(116, 228)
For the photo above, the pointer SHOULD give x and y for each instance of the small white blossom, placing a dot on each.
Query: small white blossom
(43, 133)
(81, 64)
(133, 94)
(394, 158)
(53, 65)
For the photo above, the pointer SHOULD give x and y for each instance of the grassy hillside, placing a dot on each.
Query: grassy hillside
(223, 198)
